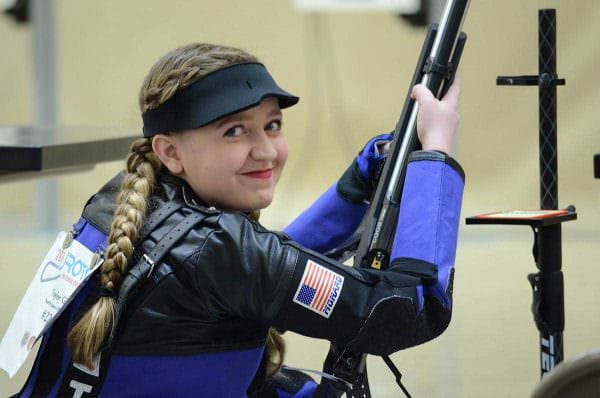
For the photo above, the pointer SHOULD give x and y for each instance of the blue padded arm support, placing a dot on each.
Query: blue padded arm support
(327, 223)
(429, 217)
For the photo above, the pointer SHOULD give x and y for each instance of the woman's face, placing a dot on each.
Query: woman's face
(235, 163)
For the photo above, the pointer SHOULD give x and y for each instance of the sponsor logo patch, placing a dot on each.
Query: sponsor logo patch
(319, 289)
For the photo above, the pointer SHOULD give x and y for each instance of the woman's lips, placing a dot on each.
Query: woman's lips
(260, 174)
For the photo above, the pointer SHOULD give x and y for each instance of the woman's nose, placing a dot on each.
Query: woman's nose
(263, 148)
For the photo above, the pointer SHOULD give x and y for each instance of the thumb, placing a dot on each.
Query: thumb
(420, 93)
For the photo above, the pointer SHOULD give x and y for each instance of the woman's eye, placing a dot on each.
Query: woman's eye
(234, 131)
(274, 125)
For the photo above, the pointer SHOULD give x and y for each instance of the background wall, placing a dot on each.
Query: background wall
(352, 72)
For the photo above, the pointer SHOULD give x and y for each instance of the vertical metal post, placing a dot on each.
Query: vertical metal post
(548, 284)
(547, 110)
(549, 252)
(44, 63)
(549, 308)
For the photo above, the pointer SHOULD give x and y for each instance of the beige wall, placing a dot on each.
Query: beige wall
(352, 71)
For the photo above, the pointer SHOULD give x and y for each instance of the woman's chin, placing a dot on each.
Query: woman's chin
(261, 202)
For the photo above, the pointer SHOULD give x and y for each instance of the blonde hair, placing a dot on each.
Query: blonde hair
(174, 71)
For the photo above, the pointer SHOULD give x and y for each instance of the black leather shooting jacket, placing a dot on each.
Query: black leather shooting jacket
(228, 279)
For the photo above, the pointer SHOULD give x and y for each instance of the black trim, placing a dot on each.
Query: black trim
(440, 157)
(413, 267)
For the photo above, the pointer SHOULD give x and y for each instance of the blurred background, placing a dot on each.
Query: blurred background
(351, 70)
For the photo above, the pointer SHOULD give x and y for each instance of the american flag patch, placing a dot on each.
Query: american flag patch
(319, 289)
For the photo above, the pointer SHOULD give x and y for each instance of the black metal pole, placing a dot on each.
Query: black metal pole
(550, 309)
(547, 110)
(548, 284)
(548, 304)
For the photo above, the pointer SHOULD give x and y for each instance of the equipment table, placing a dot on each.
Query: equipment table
(37, 151)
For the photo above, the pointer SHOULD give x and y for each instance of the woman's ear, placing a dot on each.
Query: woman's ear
(166, 147)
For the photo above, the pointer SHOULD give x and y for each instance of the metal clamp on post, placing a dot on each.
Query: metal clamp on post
(536, 286)
(544, 80)
(539, 283)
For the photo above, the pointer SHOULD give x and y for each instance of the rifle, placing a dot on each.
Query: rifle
(435, 69)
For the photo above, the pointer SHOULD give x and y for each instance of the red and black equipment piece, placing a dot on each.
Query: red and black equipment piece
(436, 68)
(547, 284)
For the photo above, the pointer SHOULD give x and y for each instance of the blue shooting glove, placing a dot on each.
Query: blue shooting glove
(336, 214)
(360, 179)
(371, 158)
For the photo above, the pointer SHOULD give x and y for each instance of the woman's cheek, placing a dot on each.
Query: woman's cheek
(282, 149)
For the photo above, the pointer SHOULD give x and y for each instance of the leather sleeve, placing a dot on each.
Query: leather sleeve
(246, 271)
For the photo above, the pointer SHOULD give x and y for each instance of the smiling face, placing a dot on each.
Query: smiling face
(233, 163)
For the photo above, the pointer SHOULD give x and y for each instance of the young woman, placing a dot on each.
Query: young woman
(191, 283)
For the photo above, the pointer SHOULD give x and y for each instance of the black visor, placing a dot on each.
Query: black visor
(215, 96)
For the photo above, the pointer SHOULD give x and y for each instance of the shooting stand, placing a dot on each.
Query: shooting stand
(548, 294)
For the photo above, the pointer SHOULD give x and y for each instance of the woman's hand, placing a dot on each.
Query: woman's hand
(437, 120)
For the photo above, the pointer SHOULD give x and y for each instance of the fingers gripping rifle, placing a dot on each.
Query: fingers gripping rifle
(435, 69)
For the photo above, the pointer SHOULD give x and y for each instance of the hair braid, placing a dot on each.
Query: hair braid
(91, 331)
(182, 67)
(275, 351)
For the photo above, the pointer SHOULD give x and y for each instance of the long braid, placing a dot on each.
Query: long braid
(275, 352)
(90, 332)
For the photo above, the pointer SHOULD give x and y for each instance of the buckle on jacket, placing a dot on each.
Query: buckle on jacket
(150, 262)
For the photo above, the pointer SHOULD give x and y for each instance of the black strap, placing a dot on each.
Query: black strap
(153, 221)
(158, 216)
(397, 374)
(144, 267)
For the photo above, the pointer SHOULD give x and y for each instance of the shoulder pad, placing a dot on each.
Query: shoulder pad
(100, 208)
